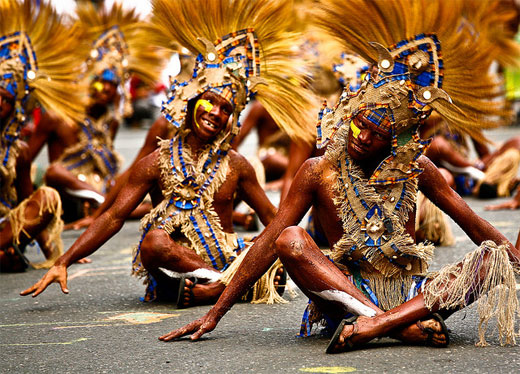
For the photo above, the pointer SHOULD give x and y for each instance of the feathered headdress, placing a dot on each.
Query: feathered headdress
(426, 60)
(35, 50)
(243, 47)
(120, 45)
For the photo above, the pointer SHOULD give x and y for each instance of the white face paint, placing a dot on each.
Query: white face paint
(352, 304)
(211, 275)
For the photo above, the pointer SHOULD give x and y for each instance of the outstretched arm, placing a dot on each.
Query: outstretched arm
(435, 188)
(512, 204)
(159, 129)
(260, 256)
(141, 180)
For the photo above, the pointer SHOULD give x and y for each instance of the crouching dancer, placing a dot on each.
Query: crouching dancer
(31, 40)
(370, 177)
(192, 178)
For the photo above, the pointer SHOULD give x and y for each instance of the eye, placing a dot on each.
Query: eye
(380, 136)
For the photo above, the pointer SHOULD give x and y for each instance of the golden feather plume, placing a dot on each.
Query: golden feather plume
(53, 45)
(496, 17)
(466, 57)
(144, 58)
(284, 97)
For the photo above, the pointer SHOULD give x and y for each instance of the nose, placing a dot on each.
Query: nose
(365, 136)
(215, 111)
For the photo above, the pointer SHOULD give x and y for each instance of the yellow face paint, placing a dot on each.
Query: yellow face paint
(355, 129)
(207, 107)
(98, 86)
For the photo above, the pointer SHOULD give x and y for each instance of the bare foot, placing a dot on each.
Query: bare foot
(431, 332)
(200, 294)
(280, 281)
(355, 332)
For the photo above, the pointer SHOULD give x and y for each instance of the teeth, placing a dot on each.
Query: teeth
(209, 124)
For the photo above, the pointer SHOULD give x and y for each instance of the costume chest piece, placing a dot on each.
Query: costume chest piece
(187, 194)
(375, 227)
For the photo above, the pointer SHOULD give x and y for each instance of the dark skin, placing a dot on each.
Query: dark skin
(314, 273)
(145, 178)
(59, 135)
(161, 128)
(35, 223)
(258, 118)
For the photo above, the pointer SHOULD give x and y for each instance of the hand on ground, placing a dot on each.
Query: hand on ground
(511, 204)
(79, 224)
(56, 274)
(197, 328)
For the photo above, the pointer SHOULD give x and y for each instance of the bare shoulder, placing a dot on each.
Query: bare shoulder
(239, 163)
(50, 120)
(161, 128)
(147, 167)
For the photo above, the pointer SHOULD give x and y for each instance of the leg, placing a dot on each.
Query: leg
(328, 287)
(27, 222)
(318, 277)
(167, 262)
(511, 143)
(476, 280)
(275, 165)
(64, 181)
(441, 150)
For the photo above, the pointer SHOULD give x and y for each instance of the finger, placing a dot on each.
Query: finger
(63, 285)
(197, 335)
(172, 335)
(39, 290)
(29, 290)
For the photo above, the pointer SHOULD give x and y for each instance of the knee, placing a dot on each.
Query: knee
(150, 247)
(52, 173)
(290, 243)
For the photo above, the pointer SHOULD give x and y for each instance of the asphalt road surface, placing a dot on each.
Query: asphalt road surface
(103, 327)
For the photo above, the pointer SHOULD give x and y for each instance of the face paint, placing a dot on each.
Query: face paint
(207, 107)
(355, 130)
(98, 86)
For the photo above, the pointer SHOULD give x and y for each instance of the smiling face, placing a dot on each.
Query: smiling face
(211, 115)
(6, 103)
(368, 142)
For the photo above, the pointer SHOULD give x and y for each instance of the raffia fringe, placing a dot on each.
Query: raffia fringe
(389, 291)
(264, 290)
(503, 170)
(434, 224)
(455, 286)
(50, 204)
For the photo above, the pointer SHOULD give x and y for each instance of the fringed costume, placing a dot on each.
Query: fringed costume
(422, 51)
(34, 65)
(118, 43)
(250, 54)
